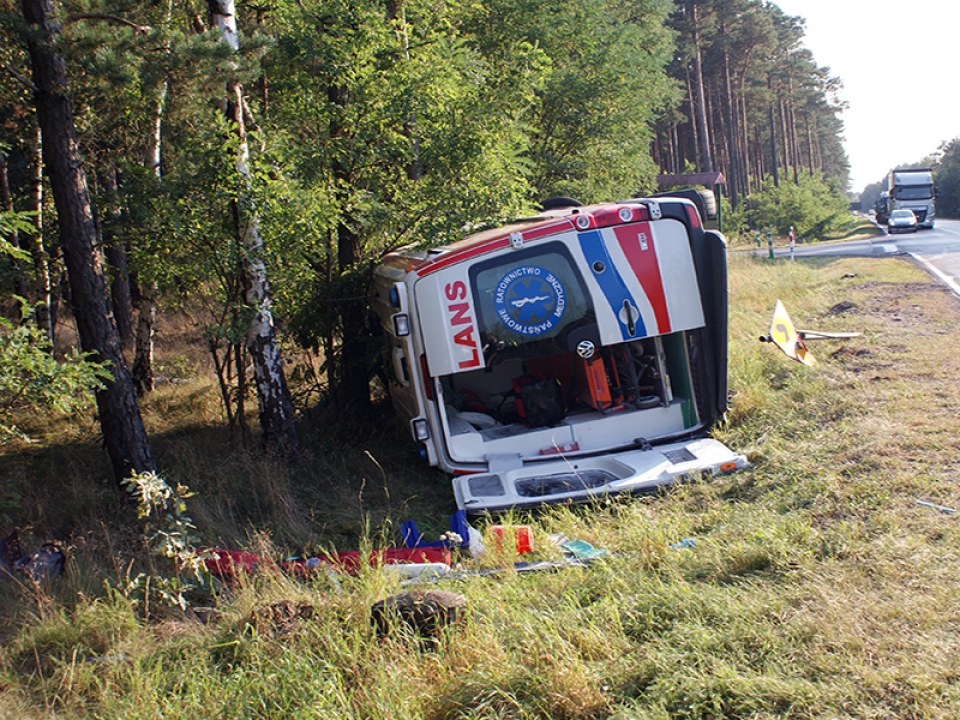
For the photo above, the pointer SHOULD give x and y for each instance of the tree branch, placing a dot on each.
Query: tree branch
(138, 29)
(20, 78)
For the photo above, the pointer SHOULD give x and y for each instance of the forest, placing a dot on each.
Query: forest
(251, 162)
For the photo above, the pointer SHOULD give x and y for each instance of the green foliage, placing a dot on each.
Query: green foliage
(171, 537)
(602, 88)
(31, 378)
(812, 207)
(12, 223)
(870, 195)
(947, 179)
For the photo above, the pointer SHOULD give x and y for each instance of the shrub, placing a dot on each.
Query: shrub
(32, 378)
(812, 207)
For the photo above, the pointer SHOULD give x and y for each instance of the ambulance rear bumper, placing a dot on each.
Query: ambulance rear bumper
(584, 479)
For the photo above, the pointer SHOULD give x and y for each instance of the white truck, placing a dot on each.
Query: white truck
(909, 189)
(572, 355)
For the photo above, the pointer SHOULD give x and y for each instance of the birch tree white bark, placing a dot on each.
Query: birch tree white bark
(277, 422)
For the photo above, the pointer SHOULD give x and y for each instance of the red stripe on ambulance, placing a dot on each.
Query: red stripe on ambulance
(636, 241)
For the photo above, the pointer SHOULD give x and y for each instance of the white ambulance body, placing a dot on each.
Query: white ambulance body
(566, 357)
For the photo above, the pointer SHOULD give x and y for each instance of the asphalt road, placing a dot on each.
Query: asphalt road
(938, 250)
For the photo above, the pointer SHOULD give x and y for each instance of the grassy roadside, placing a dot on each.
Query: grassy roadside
(816, 588)
(859, 228)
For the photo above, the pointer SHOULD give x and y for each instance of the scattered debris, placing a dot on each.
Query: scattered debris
(791, 341)
(281, 618)
(519, 536)
(685, 543)
(423, 612)
(941, 508)
(459, 535)
(578, 549)
(228, 565)
(420, 562)
(45, 564)
(420, 572)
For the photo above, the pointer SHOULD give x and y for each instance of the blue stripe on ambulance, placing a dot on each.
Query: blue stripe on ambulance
(614, 289)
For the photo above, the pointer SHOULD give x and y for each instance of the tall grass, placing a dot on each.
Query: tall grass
(815, 585)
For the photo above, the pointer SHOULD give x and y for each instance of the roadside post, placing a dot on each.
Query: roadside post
(770, 243)
(792, 242)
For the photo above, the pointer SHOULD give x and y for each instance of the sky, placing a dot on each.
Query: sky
(900, 67)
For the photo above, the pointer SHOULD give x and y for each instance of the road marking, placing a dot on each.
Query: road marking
(947, 280)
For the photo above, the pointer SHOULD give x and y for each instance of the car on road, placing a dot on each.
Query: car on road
(902, 221)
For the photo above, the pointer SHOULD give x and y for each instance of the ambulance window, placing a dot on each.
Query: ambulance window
(529, 297)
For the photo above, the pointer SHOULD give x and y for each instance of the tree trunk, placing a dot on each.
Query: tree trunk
(791, 122)
(123, 431)
(733, 182)
(45, 310)
(774, 160)
(349, 382)
(116, 254)
(354, 350)
(277, 421)
(6, 204)
(745, 139)
(694, 122)
(704, 130)
(143, 377)
(759, 154)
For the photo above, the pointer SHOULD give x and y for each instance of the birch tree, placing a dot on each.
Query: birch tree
(277, 421)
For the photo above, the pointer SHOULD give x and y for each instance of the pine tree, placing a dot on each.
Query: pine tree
(123, 431)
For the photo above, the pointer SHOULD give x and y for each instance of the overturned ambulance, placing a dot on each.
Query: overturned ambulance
(572, 355)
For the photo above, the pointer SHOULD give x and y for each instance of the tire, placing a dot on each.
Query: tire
(555, 203)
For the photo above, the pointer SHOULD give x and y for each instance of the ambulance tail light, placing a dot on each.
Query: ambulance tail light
(584, 222)
(425, 375)
(401, 324)
(421, 431)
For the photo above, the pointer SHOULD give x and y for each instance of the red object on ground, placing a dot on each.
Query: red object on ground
(228, 564)
(522, 537)
(349, 562)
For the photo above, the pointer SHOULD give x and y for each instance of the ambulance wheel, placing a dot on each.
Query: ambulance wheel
(555, 203)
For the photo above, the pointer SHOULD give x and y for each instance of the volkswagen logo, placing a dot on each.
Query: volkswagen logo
(585, 349)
